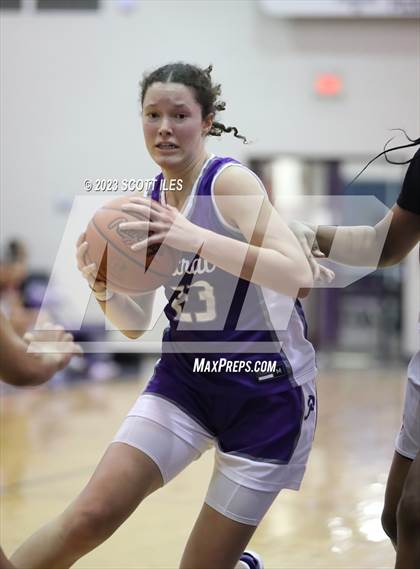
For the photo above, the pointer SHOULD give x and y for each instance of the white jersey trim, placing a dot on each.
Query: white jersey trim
(298, 350)
(219, 214)
(189, 202)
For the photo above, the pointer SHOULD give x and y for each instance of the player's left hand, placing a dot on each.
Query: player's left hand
(163, 223)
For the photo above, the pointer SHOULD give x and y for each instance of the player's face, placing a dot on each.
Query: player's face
(173, 126)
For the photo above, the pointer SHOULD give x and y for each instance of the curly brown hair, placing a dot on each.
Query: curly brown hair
(206, 93)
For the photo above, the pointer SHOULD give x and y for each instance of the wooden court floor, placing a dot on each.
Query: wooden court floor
(51, 440)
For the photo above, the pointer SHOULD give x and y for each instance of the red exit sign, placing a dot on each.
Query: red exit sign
(328, 85)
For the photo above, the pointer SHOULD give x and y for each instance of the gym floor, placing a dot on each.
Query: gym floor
(51, 440)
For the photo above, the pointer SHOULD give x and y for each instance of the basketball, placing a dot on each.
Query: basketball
(122, 269)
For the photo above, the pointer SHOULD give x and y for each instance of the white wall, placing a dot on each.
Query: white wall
(69, 93)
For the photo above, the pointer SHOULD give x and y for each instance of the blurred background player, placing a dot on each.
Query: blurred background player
(13, 273)
(360, 245)
(23, 368)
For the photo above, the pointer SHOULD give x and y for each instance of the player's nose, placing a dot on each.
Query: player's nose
(165, 126)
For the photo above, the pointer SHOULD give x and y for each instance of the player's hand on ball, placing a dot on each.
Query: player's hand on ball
(162, 223)
(88, 270)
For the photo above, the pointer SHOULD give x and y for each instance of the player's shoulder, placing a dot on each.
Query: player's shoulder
(409, 198)
(417, 155)
(413, 170)
(234, 178)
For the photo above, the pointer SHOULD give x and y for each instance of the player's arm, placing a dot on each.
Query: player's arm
(385, 244)
(272, 257)
(20, 367)
(131, 315)
(403, 235)
(352, 245)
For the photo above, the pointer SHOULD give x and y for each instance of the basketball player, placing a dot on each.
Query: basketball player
(400, 232)
(19, 367)
(261, 425)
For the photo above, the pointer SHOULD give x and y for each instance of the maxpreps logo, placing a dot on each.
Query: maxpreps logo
(204, 365)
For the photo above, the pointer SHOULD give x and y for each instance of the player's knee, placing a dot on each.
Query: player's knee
(409, 513)
(389, 524)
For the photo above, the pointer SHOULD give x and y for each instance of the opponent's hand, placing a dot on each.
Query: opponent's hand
(88, 271)
(320, 273)
(53, 345)
(306, 235)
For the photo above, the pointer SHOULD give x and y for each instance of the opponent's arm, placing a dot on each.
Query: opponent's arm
(383, 245)
(403, 235)
(21, 367)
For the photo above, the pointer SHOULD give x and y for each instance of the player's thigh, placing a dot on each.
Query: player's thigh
(407, 443)
(410, 499)
(263, 455)
(148, 450)
(407, 446)
(216, 541)
(408, 439)
(165, 433)
(395, 484)
(408, 520)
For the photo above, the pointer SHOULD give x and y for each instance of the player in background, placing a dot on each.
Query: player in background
(262, 427)
(23, 368)
(399, 230)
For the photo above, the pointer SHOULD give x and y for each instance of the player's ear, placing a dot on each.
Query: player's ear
(207, 123)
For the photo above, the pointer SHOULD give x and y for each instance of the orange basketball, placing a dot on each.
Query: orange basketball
(124, 270)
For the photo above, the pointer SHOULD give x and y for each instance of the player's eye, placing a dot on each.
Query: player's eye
(152, 115)
(180, 116)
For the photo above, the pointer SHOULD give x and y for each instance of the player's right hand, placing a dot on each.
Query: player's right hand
(89, 271)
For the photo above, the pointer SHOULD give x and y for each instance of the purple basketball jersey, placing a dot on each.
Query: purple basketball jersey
(212, 312)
